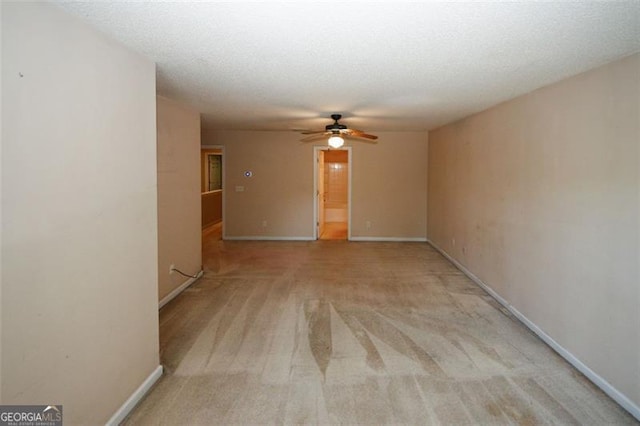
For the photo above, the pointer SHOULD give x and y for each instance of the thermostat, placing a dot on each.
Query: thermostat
(248, 173)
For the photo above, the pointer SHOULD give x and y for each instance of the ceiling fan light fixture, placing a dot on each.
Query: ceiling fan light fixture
(335, 141)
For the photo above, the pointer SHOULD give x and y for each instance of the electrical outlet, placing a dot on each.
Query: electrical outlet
(264, 223)
(368, 224)
(172, 268)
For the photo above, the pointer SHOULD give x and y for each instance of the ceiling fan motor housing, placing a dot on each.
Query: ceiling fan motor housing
(335, 127)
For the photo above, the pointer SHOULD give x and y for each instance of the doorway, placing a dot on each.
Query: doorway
(212, 186)
(332, 193)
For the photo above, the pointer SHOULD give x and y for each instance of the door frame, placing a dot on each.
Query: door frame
(316, 149)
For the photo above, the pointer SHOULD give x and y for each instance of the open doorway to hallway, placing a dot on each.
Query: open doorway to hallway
(211, 167)
(333, 189)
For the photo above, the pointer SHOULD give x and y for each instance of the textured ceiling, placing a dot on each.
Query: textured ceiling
(384, 66)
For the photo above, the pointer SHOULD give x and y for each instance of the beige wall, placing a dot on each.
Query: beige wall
(179, 213)
(79, 265)
(277, 193)
(541, 195)
(389, 185)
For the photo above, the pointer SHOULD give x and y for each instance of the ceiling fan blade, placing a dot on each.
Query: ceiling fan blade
(360, 134)
(356, 138)
(314, 132)
(315, 137)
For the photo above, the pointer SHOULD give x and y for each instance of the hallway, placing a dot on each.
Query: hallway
(367, 333)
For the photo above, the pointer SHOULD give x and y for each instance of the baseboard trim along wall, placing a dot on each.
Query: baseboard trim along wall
(606, 387)
(169, 297)
(390, 239)
(263, 238)
(135, 397)
(381, 239)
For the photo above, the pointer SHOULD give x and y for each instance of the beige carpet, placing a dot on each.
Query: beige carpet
(333, 332)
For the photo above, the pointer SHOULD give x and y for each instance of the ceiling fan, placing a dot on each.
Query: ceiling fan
(336, 131)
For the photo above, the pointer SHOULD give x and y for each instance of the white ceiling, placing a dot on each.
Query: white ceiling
(384, 66)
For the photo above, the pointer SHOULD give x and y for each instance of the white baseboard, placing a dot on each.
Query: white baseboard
(135, 398)
(381, 239)
(169, 297)
(263, 238)
(606, 387)
(390, 239)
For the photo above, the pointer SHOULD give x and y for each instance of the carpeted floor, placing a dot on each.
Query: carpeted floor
(336, 332)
